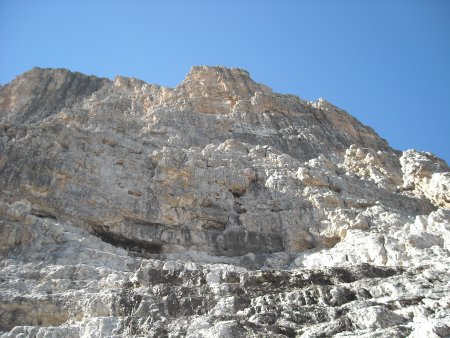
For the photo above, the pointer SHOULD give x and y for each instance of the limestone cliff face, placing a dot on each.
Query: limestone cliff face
(121, 188)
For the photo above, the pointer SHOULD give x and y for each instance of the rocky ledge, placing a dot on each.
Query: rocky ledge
(214, 209)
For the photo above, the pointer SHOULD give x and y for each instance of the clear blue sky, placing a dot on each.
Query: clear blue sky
(387, 62)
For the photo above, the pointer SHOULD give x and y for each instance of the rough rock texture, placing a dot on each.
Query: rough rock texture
(214, 209)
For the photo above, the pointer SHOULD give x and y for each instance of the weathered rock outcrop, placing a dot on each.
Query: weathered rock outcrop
(214, 209)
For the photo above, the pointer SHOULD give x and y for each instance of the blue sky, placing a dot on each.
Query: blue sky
(387, 62)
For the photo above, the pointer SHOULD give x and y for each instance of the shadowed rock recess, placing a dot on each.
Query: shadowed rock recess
(214, 209)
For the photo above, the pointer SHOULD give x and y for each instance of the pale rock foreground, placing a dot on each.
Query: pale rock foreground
(214, 209)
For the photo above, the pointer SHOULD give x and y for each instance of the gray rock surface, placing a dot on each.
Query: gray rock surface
(214, 209)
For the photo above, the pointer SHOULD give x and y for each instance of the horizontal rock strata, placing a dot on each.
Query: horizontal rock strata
(214, 209)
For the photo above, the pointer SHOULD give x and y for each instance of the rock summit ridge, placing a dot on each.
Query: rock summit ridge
(217, 208)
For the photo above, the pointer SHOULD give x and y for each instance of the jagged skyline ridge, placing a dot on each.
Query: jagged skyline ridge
(396, 72)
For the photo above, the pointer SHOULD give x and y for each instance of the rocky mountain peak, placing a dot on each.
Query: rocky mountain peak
(217, 208)
(41, 92)
(225, 81)
(218, 90)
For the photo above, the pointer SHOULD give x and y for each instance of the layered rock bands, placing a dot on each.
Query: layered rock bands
(214, 209)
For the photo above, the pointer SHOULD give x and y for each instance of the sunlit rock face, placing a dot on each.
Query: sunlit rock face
(214, 209)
